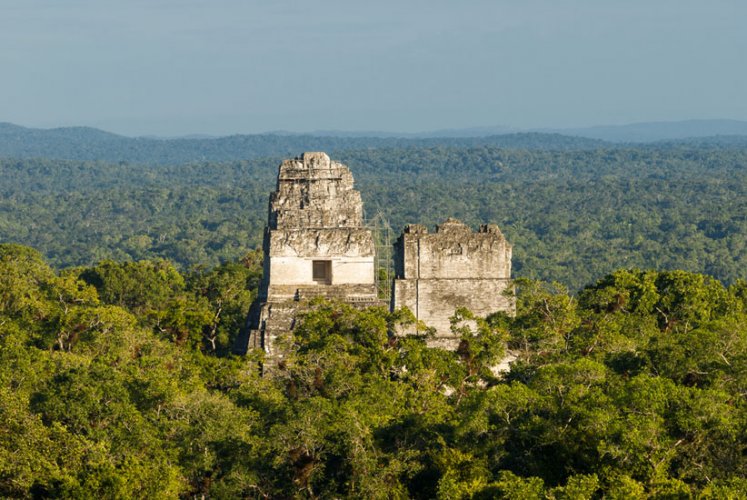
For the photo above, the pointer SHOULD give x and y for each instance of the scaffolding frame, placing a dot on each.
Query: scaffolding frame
(382, 233)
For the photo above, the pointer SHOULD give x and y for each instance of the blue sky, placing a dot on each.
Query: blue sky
(169, 67)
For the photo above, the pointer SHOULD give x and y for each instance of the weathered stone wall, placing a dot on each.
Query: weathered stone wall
(453, 267)
(454, 251)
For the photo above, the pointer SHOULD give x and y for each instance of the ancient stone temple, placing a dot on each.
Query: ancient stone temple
(453, 267)
(315, 244)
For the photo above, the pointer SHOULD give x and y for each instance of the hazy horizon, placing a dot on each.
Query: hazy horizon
(667, 127)
(169, 68)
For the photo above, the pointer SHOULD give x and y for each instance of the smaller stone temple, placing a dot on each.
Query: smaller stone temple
(316, 245)
(454, 267)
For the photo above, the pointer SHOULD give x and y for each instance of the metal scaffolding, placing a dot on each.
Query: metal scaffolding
(382, 235)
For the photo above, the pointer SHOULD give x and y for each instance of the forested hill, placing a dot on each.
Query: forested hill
(572, 216)
(712, 142)
(88, 144)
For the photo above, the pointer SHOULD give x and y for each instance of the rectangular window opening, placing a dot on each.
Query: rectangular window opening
(322, 272)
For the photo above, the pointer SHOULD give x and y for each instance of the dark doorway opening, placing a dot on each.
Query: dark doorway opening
(322, 272)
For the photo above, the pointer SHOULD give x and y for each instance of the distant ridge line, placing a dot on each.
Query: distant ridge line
(88, 144)
(91, 144)
(632, 132)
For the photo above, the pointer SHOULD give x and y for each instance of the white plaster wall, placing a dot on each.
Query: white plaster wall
(347, 270)
(290, 271)
(298, 270)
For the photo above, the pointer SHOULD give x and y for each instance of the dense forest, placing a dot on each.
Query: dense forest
(125, 279)
(572, 216)
(116, 382)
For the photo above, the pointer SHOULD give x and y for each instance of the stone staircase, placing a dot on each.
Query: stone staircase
(359, 295)
(270, 323)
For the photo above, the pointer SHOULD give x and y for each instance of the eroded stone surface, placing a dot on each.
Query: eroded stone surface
(315, 192)
(454, 267)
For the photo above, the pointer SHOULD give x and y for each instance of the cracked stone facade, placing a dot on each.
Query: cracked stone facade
(435, 273)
